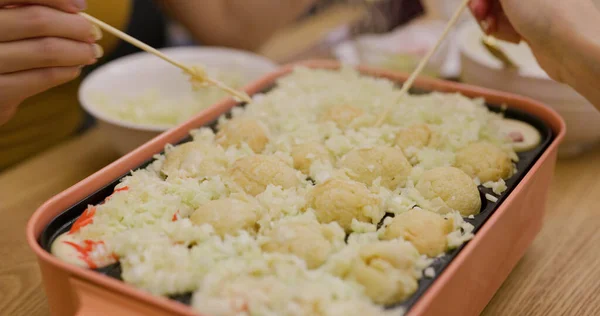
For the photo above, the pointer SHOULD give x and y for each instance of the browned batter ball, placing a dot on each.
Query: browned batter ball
(484, 161)
(243, 130)
(367, 164)
(341, 201)
(305, 154)
(227, 216)
(453, 186)
(254, 173)
(341, 115)
(425, 230)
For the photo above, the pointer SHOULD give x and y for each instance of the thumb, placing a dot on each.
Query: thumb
(7, 111)
(71, 6)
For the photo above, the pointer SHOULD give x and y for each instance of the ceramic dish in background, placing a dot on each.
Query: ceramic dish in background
(480, 68)
(142, 74)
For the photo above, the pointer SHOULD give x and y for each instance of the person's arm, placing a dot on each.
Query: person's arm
(581, 54)
(584, 74)
(244, 24)
(563, 35)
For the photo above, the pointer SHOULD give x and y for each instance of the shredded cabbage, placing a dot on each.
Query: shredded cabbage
(146, 222)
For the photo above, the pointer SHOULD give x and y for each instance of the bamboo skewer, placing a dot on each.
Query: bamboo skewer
(411, 80)
(190, 71)
(492, 47)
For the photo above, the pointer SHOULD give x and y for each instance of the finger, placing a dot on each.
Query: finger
(489, 24)
(482, 11)
(46, 52)
(7, 111)
(480, 8)
(37, 80)
(71, 6)
(500, 26)
(39, 21)
(505, 31)
(549, 66)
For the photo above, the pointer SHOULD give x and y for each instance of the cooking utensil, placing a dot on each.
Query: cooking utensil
(196, 74)
(410, 81)
(492, 46)
(509, 227)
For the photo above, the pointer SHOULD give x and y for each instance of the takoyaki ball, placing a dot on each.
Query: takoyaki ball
(193, 160)
(305, 154)
(425, 230)
(386, 270)
(341, 201)
(484, 161)
(416, 136)
(243, 130)
(367, 164)
(254, 173)
(341, 115)
(453, 186)
(302, 239)
(227, 216)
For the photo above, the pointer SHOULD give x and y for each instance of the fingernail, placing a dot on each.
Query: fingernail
(485, 25)
(473, 6)
(76, 72)
(80, 4)
(98, 51)
(488, 24)
(96, 33)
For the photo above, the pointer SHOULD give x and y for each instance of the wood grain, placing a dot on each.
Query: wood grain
(22, 190)
(559, 274)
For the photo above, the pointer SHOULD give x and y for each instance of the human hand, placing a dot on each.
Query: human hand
(535, 21)
(563, 36)
(43, 44)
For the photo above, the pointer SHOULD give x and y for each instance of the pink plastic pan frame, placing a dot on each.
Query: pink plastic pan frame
(463, 288)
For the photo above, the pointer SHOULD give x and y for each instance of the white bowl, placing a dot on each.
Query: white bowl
(480, 68)
(132, 75)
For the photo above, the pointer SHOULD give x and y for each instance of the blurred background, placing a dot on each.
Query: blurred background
(391, 34)
(396, 34)
(385, 33)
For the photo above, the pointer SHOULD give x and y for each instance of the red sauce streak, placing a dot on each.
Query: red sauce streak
(125, 188)
(85, 219)
(84, 251)
(175, 216)
(242, 308)
(516, 137)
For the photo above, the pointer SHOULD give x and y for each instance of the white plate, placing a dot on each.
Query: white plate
(135, 74)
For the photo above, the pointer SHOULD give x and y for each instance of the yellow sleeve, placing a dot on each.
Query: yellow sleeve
(51, 117)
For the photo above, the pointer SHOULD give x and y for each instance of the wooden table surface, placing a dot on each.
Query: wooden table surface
(559, 275)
